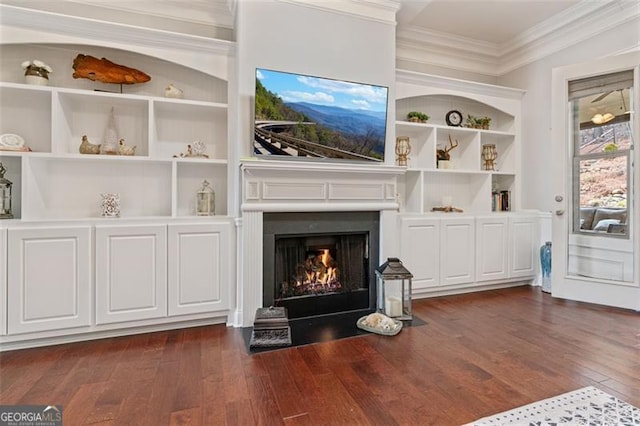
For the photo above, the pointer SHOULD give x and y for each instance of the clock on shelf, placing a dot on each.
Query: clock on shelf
(454, 118)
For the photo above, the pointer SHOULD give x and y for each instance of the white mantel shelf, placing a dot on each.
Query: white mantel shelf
(312, 186)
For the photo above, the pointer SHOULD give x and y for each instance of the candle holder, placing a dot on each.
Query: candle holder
(403, 149)
(205, 200)
(489, 156)
(394, 289)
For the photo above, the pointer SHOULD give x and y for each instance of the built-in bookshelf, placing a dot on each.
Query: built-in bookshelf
(463, 180)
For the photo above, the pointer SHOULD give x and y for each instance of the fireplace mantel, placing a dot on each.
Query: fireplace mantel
(310, 186)
(302, 186)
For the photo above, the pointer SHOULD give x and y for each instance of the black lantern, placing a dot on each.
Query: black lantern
(5, 195)
(394, 289)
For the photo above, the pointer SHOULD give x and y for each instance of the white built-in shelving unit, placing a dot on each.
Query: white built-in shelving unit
(66, 272)
(55, 181)
(478, 248)
(466, 182)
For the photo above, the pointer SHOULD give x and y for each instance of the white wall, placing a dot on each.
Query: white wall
(535, 78)
(288, 37)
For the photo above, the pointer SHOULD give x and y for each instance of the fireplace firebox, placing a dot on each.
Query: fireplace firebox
(320, 263)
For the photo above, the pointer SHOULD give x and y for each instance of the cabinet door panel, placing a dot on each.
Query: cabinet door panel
(523, 252)
(420, 250)
(491, 249)
(49, 279)
(131, 281)
(198, 268)
(457, 251)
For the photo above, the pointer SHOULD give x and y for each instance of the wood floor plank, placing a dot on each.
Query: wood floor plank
(477, 355)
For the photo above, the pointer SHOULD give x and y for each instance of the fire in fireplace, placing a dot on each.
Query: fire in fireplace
(318, 273)
(319, 263)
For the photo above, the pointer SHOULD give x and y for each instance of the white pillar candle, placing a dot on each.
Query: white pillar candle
(393, 306)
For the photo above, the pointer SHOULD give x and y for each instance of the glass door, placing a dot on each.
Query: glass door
(595, 239)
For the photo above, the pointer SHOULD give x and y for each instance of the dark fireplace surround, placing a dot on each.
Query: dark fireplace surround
(320, 263)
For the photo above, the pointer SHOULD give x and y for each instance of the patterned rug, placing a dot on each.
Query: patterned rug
(587, 406)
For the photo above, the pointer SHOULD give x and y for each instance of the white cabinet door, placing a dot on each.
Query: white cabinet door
(131, 273)
(457, 251)
(49, 278)
(491, 248)
(3, 282)
(523, 250)
(419, 250)
(199, 256)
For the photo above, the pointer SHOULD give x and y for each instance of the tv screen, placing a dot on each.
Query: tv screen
(303, 116)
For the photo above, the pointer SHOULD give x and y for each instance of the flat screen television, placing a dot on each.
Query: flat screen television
(318, 118)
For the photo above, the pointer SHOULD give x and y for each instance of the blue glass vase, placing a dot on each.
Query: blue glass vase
(545, 263)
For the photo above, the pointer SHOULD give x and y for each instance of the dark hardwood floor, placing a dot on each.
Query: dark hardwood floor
(478, 354)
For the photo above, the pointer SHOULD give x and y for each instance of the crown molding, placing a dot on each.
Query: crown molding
(446, 50)
(454, 84)
(446, 57)
(66, 27)
(383, 11)
(576, 24)
(559, 35)
(206, 13)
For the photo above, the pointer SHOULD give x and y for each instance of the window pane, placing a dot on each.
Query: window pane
(603, 121)
(603, 194)
(607, 138)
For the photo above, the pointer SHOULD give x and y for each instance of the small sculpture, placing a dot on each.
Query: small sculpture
(443, 154)
(172, 91)
(111, 136)
(87, 147)
(104, 70)
(110, 205)
(124, 149)
(36, 72)
(195, 149)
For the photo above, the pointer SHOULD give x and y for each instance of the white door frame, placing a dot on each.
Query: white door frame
(564, 285)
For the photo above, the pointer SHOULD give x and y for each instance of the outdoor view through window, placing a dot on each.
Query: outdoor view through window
(601, 156)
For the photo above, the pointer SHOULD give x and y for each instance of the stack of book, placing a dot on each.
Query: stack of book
(501, 201)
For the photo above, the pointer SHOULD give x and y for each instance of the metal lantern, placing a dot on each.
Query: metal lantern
(394, 289)
(403, 149)
(205, 200)
(5, 195)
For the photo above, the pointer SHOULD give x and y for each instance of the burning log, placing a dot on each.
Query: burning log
(104, 70)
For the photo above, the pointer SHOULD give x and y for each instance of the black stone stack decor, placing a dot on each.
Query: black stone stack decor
(271, 328)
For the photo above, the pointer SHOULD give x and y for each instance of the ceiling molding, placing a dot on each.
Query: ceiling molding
(576, 24)
(599, 20)
(217, 14)
(96, 30)
(383, 11)
(443, 55)
(410, 77)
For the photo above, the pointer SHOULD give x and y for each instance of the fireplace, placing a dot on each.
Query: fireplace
(320, 263)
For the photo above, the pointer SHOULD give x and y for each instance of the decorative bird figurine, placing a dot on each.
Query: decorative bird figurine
(124, 149)
(172, 91)
(87, 147)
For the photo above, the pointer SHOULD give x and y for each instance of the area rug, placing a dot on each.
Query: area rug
(587, 406)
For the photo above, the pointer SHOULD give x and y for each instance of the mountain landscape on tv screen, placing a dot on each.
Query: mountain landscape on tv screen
(346, 133)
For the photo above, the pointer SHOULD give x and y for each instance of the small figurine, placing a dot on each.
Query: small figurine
(124, 149)
(196, 149)
(87, 147)
(172, 91)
